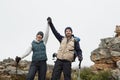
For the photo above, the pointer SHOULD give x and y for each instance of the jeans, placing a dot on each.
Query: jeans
(39, 66)
(61, 65)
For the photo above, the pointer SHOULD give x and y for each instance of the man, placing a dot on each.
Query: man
(65, 55)
(39, 56)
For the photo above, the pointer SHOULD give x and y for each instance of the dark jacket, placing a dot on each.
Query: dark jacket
(60, 37)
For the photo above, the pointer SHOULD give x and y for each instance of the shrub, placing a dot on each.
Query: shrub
(88, 74)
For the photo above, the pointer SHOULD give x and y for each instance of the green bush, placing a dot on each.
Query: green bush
(88, 74)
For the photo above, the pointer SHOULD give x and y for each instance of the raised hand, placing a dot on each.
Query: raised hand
(49, 20)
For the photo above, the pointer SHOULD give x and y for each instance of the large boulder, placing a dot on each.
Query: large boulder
(107, 53)
(107, 56)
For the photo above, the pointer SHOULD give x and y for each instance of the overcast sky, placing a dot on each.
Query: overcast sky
(90, 20)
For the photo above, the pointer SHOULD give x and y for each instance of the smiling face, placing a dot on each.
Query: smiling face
(38, 37)
(68, 33)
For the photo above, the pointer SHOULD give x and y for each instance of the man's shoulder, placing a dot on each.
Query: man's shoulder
(77, 39)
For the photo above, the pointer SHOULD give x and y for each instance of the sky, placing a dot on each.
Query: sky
(91, 20)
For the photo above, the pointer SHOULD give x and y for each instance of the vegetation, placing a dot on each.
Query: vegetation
(85, 74)
(89, 74)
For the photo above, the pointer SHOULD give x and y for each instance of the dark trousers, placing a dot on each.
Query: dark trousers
(62, 66)
(39, 66)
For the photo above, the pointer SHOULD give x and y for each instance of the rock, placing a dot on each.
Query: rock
(116, 47)
(115, 58)
(118, 64)
(8, 69)
(1, 62)
(102, 66)
(107, 56)
(115, 53)
(19, 72)
(8, 60)
(5, 77)
(100, 53)
(106, 42)
(1, 67)
(1, 71)
(24, 64)
(116, 74)
(108, 53)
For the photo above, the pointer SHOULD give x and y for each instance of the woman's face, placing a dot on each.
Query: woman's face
(38, 37)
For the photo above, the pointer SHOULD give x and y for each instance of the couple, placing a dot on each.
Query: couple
(68, 50)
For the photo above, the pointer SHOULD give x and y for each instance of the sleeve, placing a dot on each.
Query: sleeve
(45, 39)
(57, 35)
(78, 49)
(27, 52)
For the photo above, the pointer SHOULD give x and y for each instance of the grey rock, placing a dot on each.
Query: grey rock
(8, 60)
(106, 42)
(100, 53)
(115, 53)
(118, 64)
(116, 74)
(108, 53)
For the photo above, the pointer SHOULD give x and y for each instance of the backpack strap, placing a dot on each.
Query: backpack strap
(76, 39)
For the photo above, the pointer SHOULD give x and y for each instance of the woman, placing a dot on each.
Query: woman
(39, 56)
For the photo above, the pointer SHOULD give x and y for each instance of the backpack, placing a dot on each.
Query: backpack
(75, 52)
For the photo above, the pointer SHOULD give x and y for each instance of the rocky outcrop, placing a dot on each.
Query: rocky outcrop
(107, 55)
(8, 69)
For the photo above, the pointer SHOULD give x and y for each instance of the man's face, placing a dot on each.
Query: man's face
(38, 37)
(68, 33)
